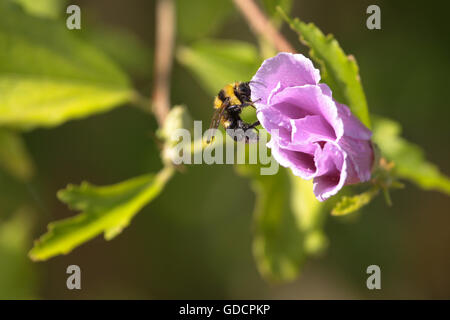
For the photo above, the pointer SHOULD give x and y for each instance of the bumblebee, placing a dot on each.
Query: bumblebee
(228, 106)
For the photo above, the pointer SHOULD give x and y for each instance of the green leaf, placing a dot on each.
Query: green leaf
(43, 8)
(288, 220)
(349, 204)
(409, 159)
(218, 62)
(14, 157)
(17, 277)
(104, 210)
(338, 70)
(197, 19)
(48, 75)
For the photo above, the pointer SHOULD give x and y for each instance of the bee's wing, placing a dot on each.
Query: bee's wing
(215, 122)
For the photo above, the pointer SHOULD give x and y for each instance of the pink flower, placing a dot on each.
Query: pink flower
(312, 134)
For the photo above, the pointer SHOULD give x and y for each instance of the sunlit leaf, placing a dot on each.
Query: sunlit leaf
(409, 159)
(349, 204)
(14, 157)
(288, 222)
(48, 75)
(338, 70)
(17, 279)
(105, 210)
(218, 62)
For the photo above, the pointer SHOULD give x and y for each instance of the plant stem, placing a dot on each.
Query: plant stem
(262, 26)
(165, 36)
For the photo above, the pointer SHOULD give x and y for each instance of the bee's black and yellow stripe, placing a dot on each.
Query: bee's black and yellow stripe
(227, 95)
(228, 92)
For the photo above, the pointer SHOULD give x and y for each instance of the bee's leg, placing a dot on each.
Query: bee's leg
(251, 103)
(254, 125)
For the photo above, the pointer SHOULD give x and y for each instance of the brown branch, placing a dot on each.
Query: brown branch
(165, 37)
(261, 25)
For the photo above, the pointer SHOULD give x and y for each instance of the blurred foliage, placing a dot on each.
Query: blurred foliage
(219, 62)
(270, 6)
(338, 70)
(16, 271)
(13, 192)
(48, 76)
(288, 222)
(43, 8)
(409, 159)
(208, 17)
(105, 209)
(125, 48)
(278, 239)
(16, 171)
(310, 214)
(14, 157)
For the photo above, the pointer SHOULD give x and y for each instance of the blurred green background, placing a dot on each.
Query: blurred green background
(189, 243)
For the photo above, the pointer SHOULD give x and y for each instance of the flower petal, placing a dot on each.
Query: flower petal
(311, 129)
(352, 126)
(298, 102)
(301, 163)
(285, 68)
(326, 89)
(275, 123)
(359, 157)
(332, 171)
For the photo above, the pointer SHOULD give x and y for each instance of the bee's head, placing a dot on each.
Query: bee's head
(244, 90)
